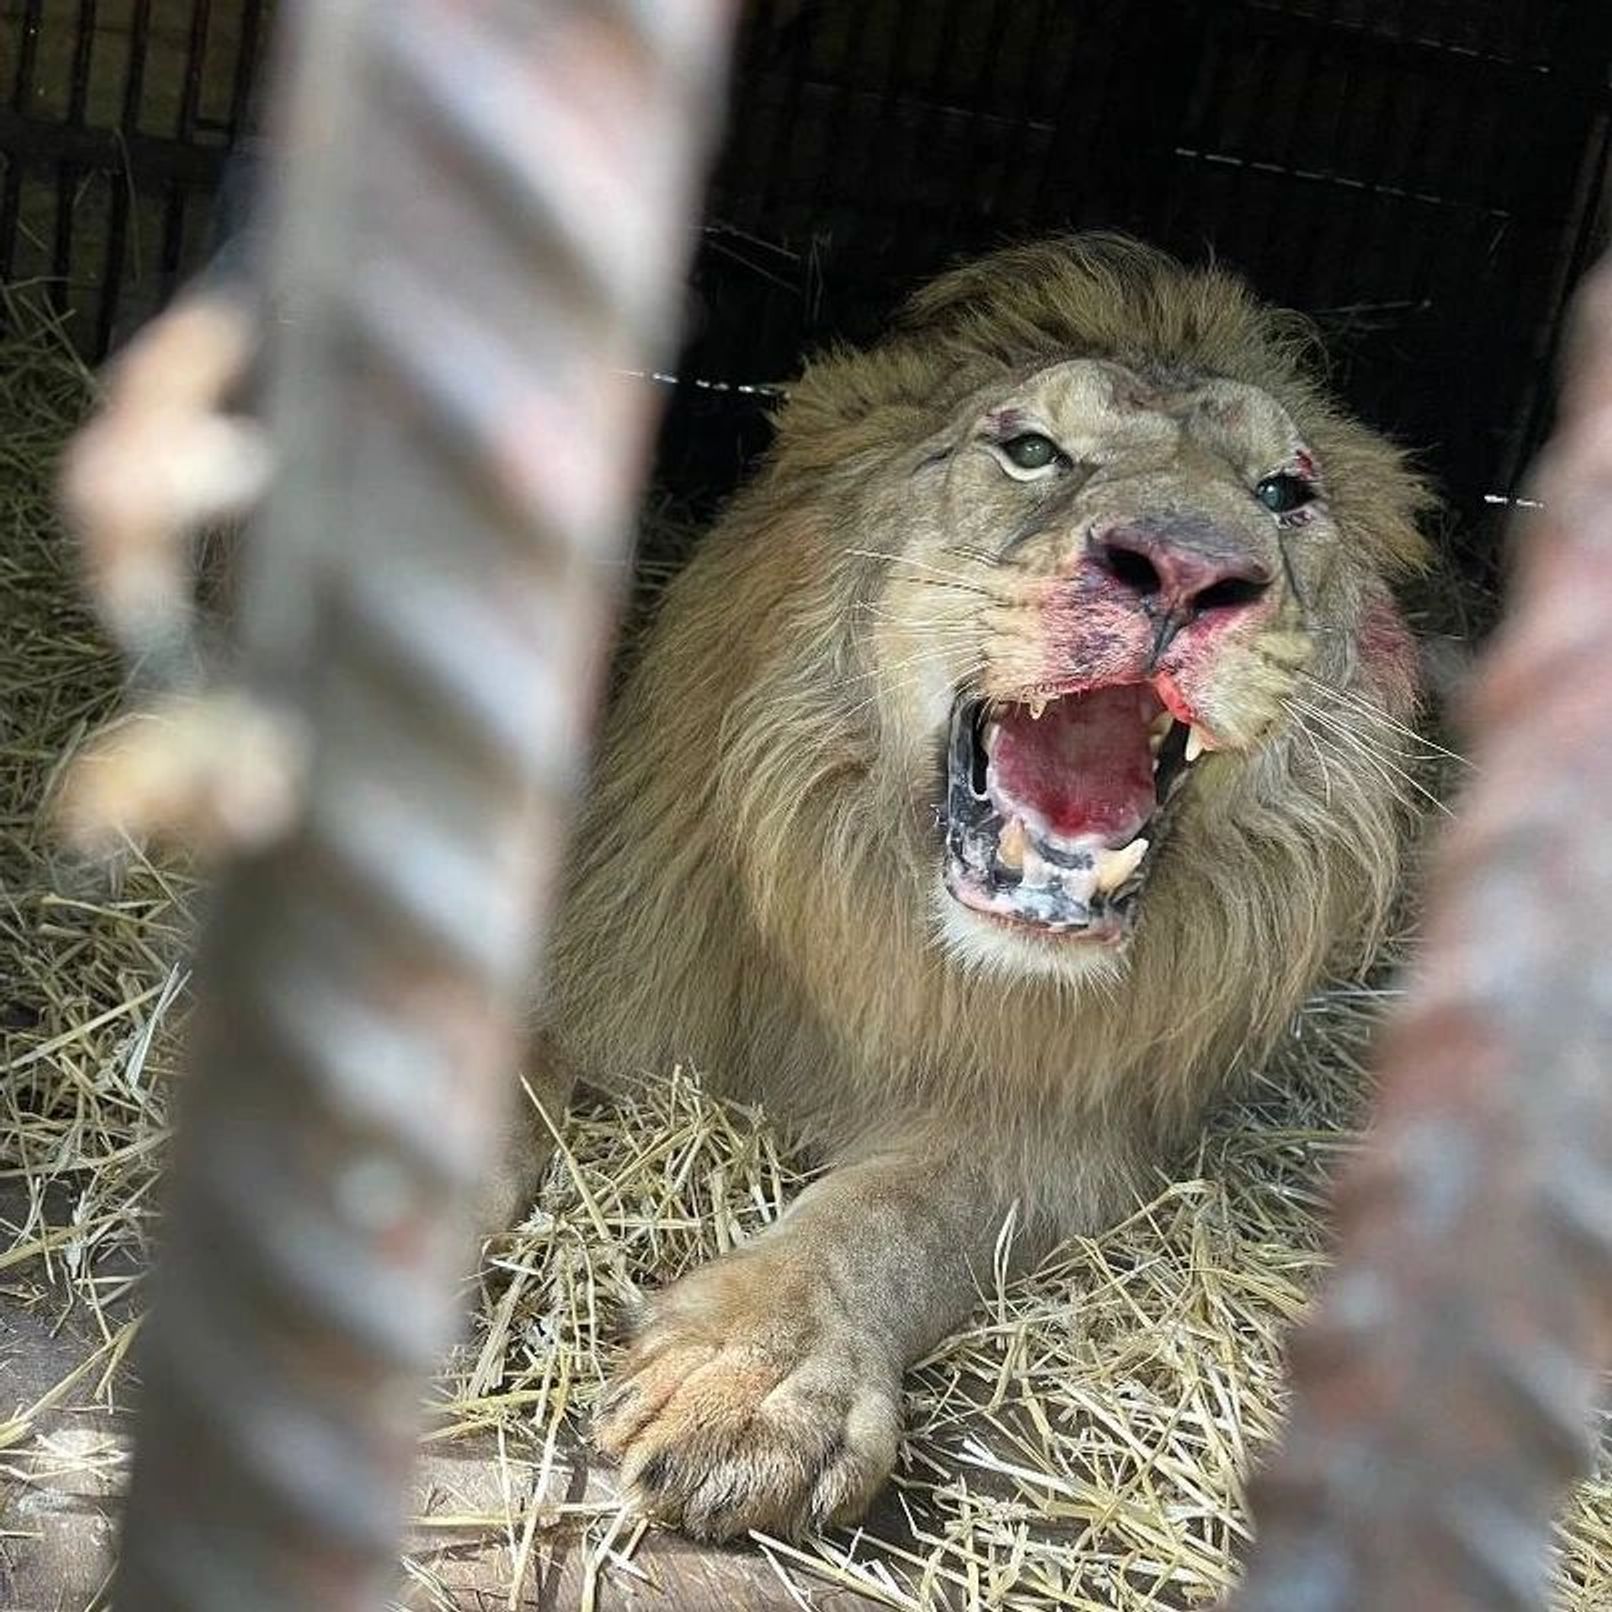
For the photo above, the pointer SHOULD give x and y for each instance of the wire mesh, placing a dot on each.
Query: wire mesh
(1420, 178)
(1421, 175)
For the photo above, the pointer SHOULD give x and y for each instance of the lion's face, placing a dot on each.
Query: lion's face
(1101, 578)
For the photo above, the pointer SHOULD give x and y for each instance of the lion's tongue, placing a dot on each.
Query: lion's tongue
(1083, 768)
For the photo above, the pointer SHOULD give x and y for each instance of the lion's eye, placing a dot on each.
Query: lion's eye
(1281, 495)
(1032, 451)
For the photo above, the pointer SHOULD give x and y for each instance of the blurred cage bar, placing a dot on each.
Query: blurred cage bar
(1420, 175)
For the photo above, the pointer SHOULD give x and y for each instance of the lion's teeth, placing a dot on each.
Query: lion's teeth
(1159, 731)
(1010, 848)
(1115, 867)
(1196, 743)
(1036, 708)
(1038, 874)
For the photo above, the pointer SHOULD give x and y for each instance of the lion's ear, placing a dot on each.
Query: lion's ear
(849, 404)
(844, 387)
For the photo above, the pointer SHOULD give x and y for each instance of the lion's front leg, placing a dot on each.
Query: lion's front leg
(764, 1391)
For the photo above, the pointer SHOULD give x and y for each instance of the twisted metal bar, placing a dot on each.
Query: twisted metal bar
(477, 231)
(1444, 1389)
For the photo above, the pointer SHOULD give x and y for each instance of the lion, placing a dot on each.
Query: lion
(989, 790)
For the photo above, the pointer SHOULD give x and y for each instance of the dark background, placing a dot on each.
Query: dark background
(1422, 176)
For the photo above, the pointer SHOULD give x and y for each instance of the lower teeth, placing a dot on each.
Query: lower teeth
(1010, 848)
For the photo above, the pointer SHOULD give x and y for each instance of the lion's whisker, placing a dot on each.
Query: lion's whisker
(1380, 745)
(932, 654)
(1320, 760)
(1372, 713)
(1362, 749)
(932, 624)
(1326, 746)
(907, 685)
(951, 579)
(1337, 722)
(912, 564)
(1347, 717)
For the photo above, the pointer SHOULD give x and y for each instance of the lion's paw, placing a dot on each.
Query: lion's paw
(740, 1409)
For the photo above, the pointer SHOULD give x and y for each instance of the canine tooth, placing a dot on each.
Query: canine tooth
(1037, 706)
(1115, 867)
(1196, 744)
(1010, 848)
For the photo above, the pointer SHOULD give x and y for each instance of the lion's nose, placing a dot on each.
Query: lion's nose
(1179, 569)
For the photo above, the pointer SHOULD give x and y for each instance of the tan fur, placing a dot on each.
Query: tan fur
(756, 886)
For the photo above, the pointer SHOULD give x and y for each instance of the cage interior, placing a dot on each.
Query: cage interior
(1424, 177)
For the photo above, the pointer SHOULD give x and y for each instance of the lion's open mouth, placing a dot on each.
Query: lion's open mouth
(1055, 810)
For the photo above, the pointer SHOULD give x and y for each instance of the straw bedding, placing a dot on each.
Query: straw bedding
(1078, 1444)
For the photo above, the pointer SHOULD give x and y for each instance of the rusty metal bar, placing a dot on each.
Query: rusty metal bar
(480, 225)
(1444, 1389)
